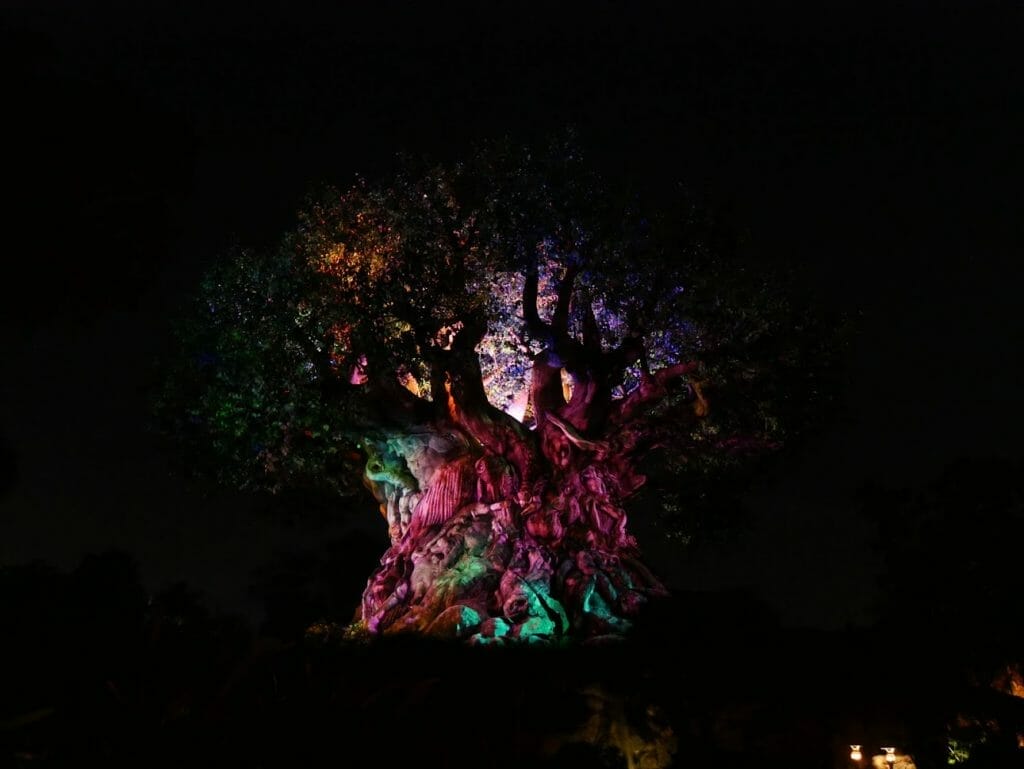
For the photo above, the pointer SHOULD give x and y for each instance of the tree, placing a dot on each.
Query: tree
(493, 347)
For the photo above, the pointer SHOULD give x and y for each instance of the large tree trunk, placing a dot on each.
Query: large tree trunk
(476, 556)
(501, 533)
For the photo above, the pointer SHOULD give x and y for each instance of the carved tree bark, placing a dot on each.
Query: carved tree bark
(501, 533)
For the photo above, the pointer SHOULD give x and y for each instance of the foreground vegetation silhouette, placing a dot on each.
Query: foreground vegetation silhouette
(95, 668)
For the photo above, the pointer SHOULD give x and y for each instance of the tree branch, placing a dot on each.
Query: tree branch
(537, 328)
(460, 379)
(654, 387)
(546, 384)
(570, 432)
(560, 317)
(591, 332)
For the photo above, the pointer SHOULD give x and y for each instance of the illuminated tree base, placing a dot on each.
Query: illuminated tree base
(466, 565)
(477, 580)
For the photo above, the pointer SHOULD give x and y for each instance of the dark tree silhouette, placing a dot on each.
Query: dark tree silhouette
(493, 347)
(950, 563)
(950, 585)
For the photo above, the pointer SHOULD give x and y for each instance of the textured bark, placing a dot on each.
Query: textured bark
(469, 560)
(503, 533)
(478, 552)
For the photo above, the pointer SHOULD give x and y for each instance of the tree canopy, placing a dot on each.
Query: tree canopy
(295, 355)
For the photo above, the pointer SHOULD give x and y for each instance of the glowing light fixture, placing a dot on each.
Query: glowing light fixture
(890, 756)
(855, 754)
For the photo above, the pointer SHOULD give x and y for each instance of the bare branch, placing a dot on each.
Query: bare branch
(534, 325)
(591, 332)
(560, 318)
(546, 384)
(654, 387)
(570, 432)
(459, 395)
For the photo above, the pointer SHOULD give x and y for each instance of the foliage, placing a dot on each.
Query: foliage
(293, 360)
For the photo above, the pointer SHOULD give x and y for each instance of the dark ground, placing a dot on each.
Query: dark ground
(95, 669)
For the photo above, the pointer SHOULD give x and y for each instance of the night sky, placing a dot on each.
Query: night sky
(874, 148)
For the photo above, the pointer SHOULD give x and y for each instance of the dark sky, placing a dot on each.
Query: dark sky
(874, 147)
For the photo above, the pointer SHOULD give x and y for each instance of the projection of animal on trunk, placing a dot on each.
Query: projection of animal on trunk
(494, 347)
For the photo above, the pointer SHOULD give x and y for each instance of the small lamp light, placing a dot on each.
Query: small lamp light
(855, 754)
(890, 756)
